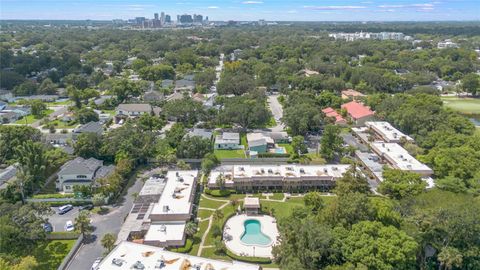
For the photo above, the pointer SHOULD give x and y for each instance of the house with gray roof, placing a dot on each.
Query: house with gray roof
(152, 96)
(200, 132)
(80, 171)
(167, 83)
(90, 127)
(182, 85)
(228, 140)
(125, 111)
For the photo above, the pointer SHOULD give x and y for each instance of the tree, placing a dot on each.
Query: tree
(37, 107)
(352, 181)
(245, 111)
(86, 115)
(235, 83)
(190, 229)
(82, 223)
(218, 214)
(209, 162)
(98, 199)
(175, 134)
(348, 209)
(26, 88)
(26, 263)
(182, 165)
(298, 145)
(377, 246)
(108, 241)
(13, 136)
(400, 184)
(450, 257)
(220, 181)
(234, 203)
(194, 147)
(47, 87)
(164, 153)
(471, 83)
(314, 201)
(148, 122)
(186, 110)
(331, 142)
(219, 246)
(157, 72)
(88, 145)
(32, 165)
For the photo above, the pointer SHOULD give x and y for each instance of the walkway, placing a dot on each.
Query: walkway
(210, 221)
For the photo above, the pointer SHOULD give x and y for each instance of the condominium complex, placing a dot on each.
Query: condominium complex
(386, 132)
(277, 177)
(161, 210)
(128, 255)
(399, 158)
(368, 35)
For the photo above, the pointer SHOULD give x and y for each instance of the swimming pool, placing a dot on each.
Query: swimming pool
(253, 234)
(280, 150)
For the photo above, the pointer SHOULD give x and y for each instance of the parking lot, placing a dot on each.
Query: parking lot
(58, 221)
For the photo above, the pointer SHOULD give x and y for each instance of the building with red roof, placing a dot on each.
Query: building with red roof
(330, 112)
(358, 112)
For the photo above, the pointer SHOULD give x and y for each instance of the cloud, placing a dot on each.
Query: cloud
(333, 7)
(212, 7)
(426, 5)
(252, 2)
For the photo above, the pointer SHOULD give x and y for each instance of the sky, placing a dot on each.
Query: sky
(272, 10)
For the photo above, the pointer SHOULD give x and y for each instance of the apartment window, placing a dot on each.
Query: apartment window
(81, 176)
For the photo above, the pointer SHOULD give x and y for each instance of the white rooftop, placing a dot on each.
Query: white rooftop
(128, 254)
(400, 158)
(153, 186)
(176, 195)
(387, 131)
(163, 232)
(251, 202)
(279, 171)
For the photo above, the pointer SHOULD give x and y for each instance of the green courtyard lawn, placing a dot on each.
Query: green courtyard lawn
(227, 212)
(206, 203)
(463, 105)
(203, 214)
(50, 254)
(223, 154)
(197, 238)
(277, 196)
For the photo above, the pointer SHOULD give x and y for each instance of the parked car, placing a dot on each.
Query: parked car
(86, 207)
(64, 209)
(47, 227)
(96, 263)
(69, 226)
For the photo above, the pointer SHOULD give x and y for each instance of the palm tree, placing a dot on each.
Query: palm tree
(450, 257)
(220, 181)
(108, 241)
(234, 203)
(82, 223)
(190, 228)
(218, 214)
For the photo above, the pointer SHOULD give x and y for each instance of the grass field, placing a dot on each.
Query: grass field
(202, 213)
(29, 119)
(463, 105)
(61, 124)
(210, 203)
(222, 154)
(50, 254)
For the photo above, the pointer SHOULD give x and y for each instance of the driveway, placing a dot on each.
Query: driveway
(352, 141)
(58, 221)
(277, 112)
(107, 223)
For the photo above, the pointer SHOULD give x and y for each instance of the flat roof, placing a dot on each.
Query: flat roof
(371, 161)
(129, 254)
(176, 195)
(251, 202)
(153, 186)
(400, 158)
(168, 231)
(280, 171)
(387, 131)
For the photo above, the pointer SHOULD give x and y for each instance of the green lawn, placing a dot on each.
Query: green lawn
(243, 140)
(61, 124)
(50, 254)
(110, 112)
(57, 103)
(478, 130)
(197, 238)
(271, 122)
(463, 105)
(29, 119)
(222, 154)
(227, 210)
(287, 146)
(204, 213)
(210, 203)
(277, 196)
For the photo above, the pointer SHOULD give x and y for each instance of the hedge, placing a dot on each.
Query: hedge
(218, 192)
(74, 203)
(62, 235)
(273, 155)
(53, 196)
(186, 248)
(258, 260)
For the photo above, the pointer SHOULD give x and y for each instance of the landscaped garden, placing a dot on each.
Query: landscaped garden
(463, 105)
(30, 119)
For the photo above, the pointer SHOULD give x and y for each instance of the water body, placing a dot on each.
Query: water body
(253, 234)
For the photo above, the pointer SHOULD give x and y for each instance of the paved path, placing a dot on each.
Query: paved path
(277, 111)
(210, 221)
(108, 223)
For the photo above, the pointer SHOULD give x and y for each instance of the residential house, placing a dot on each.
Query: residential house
(59, 140)
(134, 110)
(260, 143)
(228, 140)
(200, 132)
(151, 96)
(101, 99)
(338, 119)
(80, 171)
(2, 105)
(352, 94)
(44, 98)
(167, 83)
(358, 112)
(90, 127)
(184, 85)
(8, 117)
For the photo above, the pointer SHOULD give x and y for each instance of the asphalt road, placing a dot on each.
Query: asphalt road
(107, 223)
(277, 111)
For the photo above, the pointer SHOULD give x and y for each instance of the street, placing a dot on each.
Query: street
(107, 223)
(277, 112)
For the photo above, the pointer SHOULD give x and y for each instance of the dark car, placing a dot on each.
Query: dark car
(47, 227)
(86, 207)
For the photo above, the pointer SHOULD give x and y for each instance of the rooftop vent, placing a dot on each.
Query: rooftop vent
(166, 208)
(117, 262)
(241, 169)
(160, 264)
(302, 170)
(163, 228)
(138, 265)
(270, 171)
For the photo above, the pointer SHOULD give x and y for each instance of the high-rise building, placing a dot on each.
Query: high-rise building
(197, 18)
(155, 15)
(168, 19)
(162, 18)
(185, 18)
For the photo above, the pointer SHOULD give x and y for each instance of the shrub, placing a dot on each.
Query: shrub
(258, 260)
(186, 248)
(53, 196)
(273, 155)
(219, 193)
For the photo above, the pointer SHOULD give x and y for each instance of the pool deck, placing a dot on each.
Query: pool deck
(234, 229)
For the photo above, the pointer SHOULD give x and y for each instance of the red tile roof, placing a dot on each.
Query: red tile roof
(330, 112)
(357, 110)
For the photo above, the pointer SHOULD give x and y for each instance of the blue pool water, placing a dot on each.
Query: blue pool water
(253, 234)
(280, 150)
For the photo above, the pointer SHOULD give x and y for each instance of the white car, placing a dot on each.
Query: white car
(96, 263)
(69, 226)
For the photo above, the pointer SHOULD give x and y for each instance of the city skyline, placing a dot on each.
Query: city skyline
(280, 10)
